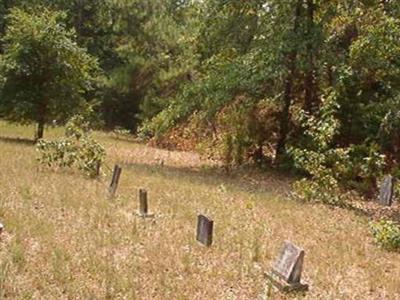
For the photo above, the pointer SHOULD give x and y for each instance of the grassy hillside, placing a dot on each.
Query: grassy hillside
(65, 240)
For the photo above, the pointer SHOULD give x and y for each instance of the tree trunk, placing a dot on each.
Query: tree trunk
(310, 93)
(287, 97)
(40, 130)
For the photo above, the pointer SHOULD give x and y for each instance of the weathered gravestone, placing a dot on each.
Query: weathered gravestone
(98, 168)
(286, 272)
(205, 230)
(386, 192)
(144, 205)
(115, 180)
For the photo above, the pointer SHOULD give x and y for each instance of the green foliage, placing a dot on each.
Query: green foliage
(46, 74)
(331, 167)
(78, 149)
(320, 161)
(364, 166)
(295, 53)
(244, 81)
(389, 131)
(386, 234)
(154, 46)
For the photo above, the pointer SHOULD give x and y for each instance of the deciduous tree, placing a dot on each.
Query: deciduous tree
(45, 74)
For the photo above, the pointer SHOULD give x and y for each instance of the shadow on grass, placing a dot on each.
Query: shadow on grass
(16, 140)
(248, 180)
(129, 139)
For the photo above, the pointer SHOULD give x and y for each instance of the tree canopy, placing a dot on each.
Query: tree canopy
(45, 73)
(257, 81)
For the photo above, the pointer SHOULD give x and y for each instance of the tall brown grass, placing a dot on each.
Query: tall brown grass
(65, 239)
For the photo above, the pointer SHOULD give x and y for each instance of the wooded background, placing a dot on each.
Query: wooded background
(305, 85)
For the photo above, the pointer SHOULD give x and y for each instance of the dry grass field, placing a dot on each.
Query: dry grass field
(65, 239)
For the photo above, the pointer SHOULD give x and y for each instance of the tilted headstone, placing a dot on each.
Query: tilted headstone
(286, 272)
(205, 230)
(115, 180)
(143, 204)
(386, 192)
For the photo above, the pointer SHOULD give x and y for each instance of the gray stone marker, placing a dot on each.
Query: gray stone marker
(144, 205)
(286, 272)
(386, 192)
(205, 230)
(115, 180)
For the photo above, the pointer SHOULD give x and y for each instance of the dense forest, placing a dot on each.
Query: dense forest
(305, 85)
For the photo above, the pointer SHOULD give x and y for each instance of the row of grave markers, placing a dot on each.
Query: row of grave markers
(385, 195)
(287, 270)
(285, 273)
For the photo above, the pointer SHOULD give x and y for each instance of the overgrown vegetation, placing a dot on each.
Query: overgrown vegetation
(387, 234)
(228, 78)
(77, 149)
(44, 73)
(265, 63)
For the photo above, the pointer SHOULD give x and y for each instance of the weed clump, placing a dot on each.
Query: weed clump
(386, 234)
(77, 149)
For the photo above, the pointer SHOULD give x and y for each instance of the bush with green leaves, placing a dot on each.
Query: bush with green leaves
(332, 168)
(366, 164)
(386, 234)
(45, 75)
(321, 159)
(77, 149)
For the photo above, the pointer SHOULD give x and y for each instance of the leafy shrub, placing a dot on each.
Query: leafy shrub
(78, 149)
(324, 189)
(386, 234)
(320, 160)
(331, 168)
(364, 166)
(246, 127)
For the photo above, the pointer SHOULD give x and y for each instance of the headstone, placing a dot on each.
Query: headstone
(115, 180)
(143, 204)
(286, 272)
(386, 192)
(144, 207)
(205, 230)
(98, 168)
(1, 228)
